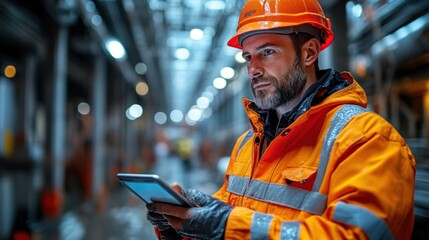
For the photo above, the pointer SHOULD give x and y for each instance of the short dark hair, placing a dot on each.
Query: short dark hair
(298, 40)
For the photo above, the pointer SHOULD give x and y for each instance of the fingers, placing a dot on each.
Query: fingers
(176, 223)
(175, 215)
(170, 210)
(176, 187)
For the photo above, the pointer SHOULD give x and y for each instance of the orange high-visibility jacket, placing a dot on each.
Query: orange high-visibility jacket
(338, 172)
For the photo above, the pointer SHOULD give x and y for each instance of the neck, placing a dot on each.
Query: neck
(288, 106)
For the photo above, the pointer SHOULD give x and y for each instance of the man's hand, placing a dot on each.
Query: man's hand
(161, 223)
(205, 221)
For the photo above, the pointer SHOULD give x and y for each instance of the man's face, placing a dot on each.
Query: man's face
(275, 71)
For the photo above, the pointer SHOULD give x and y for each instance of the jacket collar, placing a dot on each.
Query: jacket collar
(329, 81)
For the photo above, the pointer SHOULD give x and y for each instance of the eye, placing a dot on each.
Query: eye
(246, 57)
(268, 52)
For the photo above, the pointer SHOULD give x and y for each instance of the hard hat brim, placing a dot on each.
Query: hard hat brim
(260, 27)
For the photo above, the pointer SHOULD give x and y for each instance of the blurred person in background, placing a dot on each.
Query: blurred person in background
(316, 164)
(184, 149)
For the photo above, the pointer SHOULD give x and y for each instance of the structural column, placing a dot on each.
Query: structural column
(65, 16)
(99, 100)
(58, 113)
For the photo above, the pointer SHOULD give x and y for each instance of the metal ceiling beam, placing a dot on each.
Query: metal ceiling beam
(103, 34)
(155, 77)
(20, 27)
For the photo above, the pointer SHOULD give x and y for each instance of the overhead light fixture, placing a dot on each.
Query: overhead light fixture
(195, 114)
(356, 9)
(215, 5)
(96, 20)
(239, 57)
(182, 53)
(176, 116)
(203, 102)
(227, 72)
(10, 71)
(219, 83)
(83, 108)
(134, 112)
(142, 88)
(116, 49)
(196, 34)
(140, 68)
(160, 118)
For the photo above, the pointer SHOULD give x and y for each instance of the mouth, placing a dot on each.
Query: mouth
(261, 86)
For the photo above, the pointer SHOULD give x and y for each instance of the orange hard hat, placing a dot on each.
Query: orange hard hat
(283, 16)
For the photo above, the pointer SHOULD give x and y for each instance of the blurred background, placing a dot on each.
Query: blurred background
(92, 88)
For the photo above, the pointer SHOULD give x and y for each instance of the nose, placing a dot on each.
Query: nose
(254, 69)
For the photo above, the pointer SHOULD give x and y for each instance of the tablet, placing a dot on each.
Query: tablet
(150, 188)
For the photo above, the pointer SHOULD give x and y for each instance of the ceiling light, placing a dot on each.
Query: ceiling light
(90, 6)
(134, 112)
(195, 114)
(140, 68)
(182, 53)
(357, 10)
(227, 72)
(96, 20)
(176, 116)
(116, 49)
(215, 5)
(239, 57)
(203, 102)
(219, 83)
(160, 118)
(142, 88)
(10, 71)
(196, 34)
(83, 108)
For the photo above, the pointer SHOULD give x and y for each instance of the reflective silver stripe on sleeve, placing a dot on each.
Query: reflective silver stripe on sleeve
(290, 230)
(340, 119)
(371, 224)
(260, 226)
(312, 202)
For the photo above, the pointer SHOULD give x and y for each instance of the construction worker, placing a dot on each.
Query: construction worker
(316, 164)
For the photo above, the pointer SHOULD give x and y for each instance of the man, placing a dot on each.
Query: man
(315, 164)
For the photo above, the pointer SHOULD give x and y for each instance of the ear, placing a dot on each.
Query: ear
(310, 52)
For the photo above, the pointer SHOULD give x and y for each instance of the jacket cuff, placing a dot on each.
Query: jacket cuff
(238, 223)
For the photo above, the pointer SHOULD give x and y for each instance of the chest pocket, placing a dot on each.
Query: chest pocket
(300, 177)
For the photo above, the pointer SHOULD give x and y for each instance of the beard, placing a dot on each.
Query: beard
(286, 89)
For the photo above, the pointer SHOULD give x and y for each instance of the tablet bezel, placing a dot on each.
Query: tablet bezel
(176, 198)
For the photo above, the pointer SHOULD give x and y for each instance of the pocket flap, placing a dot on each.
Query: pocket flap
(297, 174)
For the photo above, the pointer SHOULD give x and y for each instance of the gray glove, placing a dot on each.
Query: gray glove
(208, 220)
(159, 221)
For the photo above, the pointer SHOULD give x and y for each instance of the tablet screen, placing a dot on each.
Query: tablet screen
(150, 188)
(152, 192)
